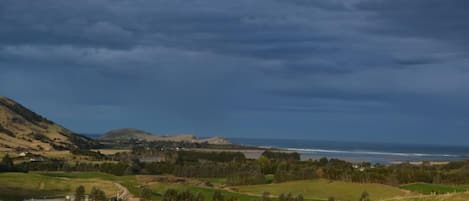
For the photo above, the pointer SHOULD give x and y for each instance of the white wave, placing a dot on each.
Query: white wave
(370, 153)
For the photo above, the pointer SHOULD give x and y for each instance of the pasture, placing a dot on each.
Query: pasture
(160, 188)
(444, 197)
(435, 188)
(15, 186)
(130, 182)
(322, 189)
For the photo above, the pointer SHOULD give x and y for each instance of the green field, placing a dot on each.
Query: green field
(160, 188)
(17, 186)
(446, 197)
(438, 188)
(322, 189)
(130, 182)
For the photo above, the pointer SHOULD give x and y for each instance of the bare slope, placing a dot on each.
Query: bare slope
(22, 129)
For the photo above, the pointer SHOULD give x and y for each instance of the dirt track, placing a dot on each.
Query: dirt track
(125, 194)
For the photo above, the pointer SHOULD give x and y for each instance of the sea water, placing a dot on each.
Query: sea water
(373, 152)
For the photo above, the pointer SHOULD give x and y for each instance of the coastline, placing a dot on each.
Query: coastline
(256, 153)
(357, 152)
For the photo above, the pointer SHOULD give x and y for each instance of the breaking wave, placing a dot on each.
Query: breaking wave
(301, 150)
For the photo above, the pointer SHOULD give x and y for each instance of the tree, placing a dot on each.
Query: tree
(266, 196)
(266, 165)
(233, 199)
(217, 196)
(200, 197)
(185, 196)
(97, 195)
(365, 196)
(7, 163)
(281, 173)
(170, 195)
(146, 194)
(300, 197)
(80, 193)
(282, 197)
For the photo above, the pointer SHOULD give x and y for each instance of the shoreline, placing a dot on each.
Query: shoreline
(256, 153)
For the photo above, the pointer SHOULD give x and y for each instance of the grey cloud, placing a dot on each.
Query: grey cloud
(440, 20)
(200, 62)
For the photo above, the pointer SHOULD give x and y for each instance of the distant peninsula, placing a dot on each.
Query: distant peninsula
(136, 134)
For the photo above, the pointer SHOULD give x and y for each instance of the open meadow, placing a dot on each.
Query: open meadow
(15, 186)
(444, 197)
(435, 188)
(323, 189)
(160, 188)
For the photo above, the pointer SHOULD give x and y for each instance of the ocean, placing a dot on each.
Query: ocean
(383, 153)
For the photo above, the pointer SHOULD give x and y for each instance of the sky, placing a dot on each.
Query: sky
(352, 70)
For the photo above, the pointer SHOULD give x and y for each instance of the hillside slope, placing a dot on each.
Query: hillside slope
(130, 133)
(22, 129)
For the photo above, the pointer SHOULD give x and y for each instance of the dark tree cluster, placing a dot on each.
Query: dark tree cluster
(96, 194)
(96, 155)
(157, 168)
(173, 195)
(277, 155)
(81, 141)
(6, 131)
(184, 157)
(290, 197)
(118, 169)
(287, 172)
(246, 175)
(235, 172)
(6, 165)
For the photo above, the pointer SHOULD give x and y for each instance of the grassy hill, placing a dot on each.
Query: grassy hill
(23, 129)
(131, 133)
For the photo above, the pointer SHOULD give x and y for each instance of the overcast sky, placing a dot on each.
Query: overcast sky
(363, 70)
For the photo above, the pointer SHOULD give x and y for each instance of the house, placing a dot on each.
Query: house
(36, 159)
(23, 154)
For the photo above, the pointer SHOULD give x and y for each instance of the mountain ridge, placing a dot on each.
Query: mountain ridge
(23, 129)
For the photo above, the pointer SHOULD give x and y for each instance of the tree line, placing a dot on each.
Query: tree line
(242, 171)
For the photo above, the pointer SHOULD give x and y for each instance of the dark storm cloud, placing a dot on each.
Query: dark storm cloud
(207, 66)
(439, 20)
(84, 23)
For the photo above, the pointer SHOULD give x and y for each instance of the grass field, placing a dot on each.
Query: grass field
(447, 197)
(269, 178)
(322, 189)
(438, 188)
(160, 188)
(130, 182)
(15, 186)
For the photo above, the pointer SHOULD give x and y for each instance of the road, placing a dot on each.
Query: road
(124, 193)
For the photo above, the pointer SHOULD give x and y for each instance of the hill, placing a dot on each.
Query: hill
(130, 133)
(23, 129)
(127, 134)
